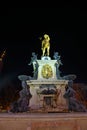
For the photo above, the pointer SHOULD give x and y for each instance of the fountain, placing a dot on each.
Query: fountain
(47, 99)
(47, 90)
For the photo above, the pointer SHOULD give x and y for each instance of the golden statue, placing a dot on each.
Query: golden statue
(45, 45)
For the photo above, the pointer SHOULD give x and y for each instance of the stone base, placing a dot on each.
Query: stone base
(56, 100)
(43, 121)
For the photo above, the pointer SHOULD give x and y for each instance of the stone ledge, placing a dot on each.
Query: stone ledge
(45, 115)
(48, 81)
(41, 121)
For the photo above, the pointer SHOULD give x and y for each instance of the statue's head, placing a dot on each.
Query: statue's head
(56, 53)
(46, 37)
(33, 53)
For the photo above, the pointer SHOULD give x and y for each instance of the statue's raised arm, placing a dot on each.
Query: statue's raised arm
(46, 45)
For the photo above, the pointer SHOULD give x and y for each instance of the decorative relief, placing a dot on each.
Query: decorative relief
(47, 71)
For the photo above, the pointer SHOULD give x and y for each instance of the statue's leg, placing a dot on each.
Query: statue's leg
(48, 51)
(43, 52)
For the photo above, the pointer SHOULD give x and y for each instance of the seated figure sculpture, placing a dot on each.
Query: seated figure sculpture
(22, 103)
(35, 64)
(45, 45)
(56, 56)
(73, 103)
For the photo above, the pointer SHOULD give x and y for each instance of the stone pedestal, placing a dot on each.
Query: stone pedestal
(46, 65)
(37, 100)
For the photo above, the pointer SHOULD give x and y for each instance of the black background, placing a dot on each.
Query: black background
(20, 31)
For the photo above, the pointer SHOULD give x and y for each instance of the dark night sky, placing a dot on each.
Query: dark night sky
(22, 27)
